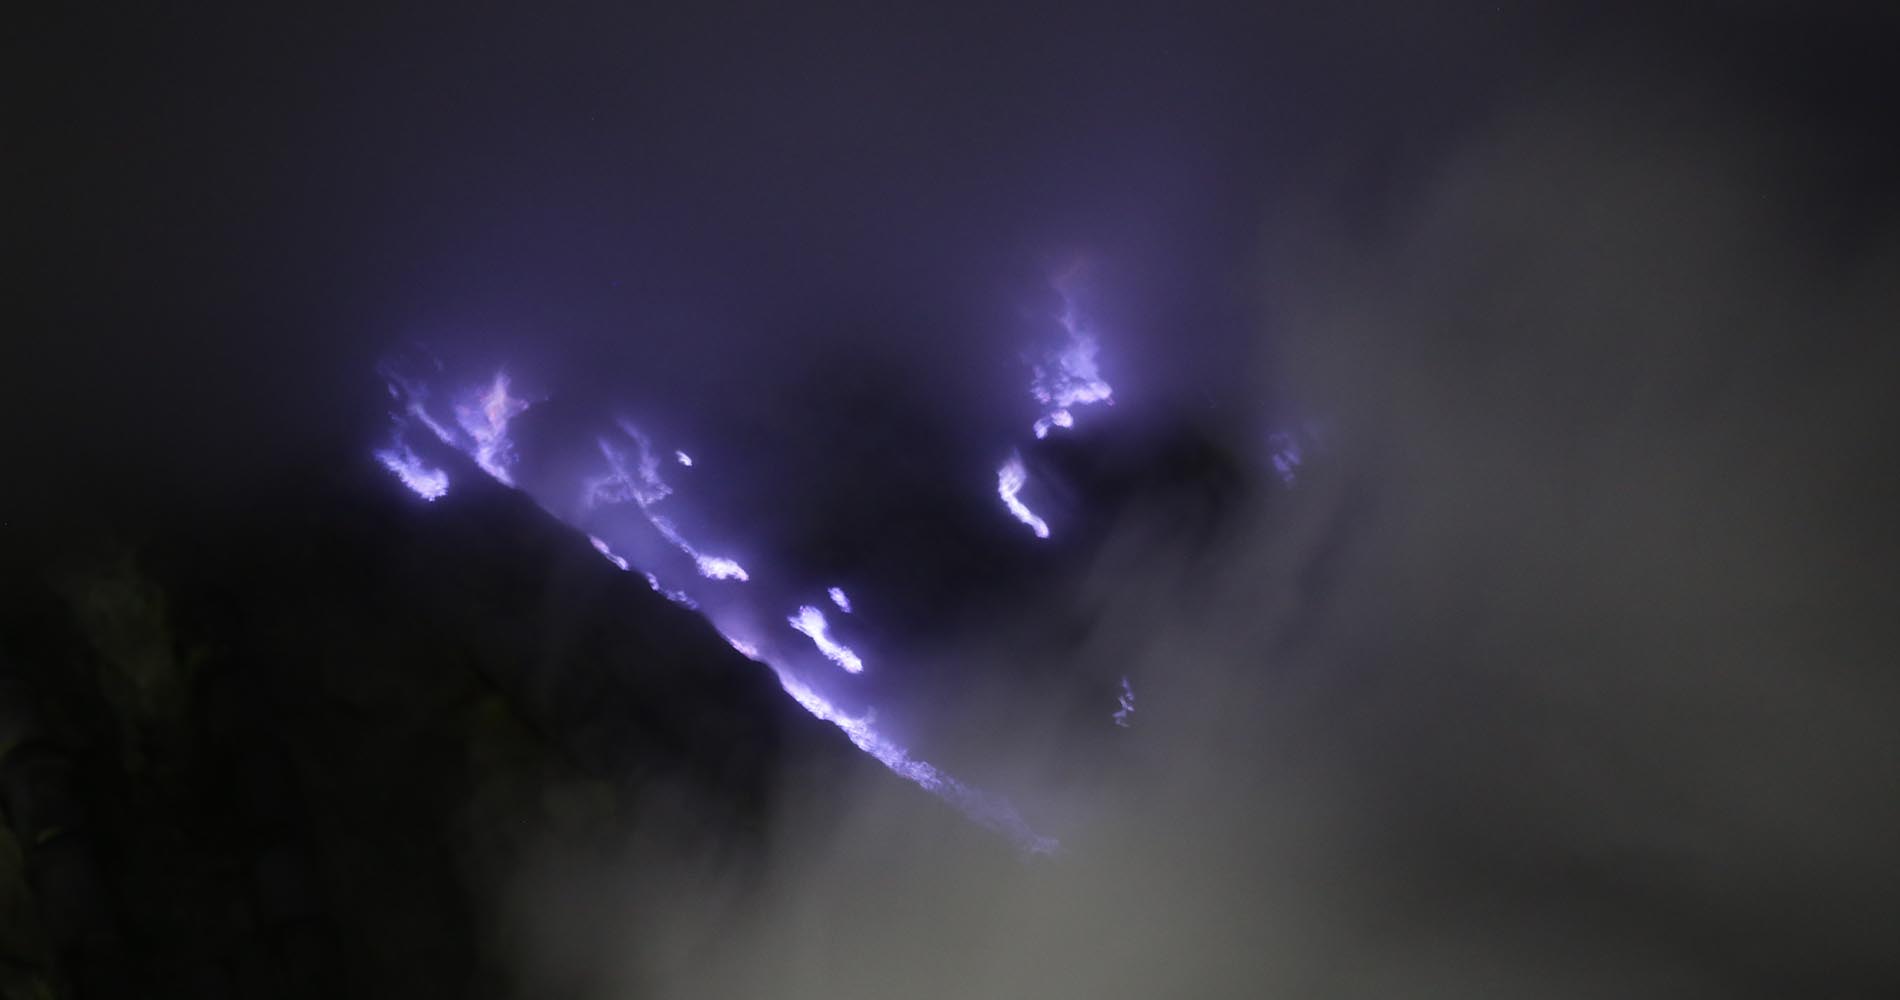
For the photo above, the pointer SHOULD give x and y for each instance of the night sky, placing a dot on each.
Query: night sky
(1564, 667)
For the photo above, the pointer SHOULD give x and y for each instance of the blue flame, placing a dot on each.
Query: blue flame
(486, 422)
(482, 433)
(424, 480)
(1010, 480)
(1067, 376)
(600, 546)
(811, 622)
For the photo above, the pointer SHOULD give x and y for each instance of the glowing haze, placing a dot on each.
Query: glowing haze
(1066, 376)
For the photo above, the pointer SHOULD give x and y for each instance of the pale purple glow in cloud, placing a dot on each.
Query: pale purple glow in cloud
(1126, 704)
(811, 622)
(1010, 480)
(1287, 455)
(838, 597)
(683, 458)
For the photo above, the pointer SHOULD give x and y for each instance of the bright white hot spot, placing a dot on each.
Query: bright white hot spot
(720, 568)
(811, 622)
(1010, 480)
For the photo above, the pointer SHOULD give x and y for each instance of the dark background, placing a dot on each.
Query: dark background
(1568, 670)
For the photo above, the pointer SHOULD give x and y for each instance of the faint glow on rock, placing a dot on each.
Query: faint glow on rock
(838, 597)
(1010, 480)
(1126, 701)
(811, 622)
(679, 597)
(986, 810)
(424, 480)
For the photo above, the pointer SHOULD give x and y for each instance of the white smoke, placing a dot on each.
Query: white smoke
(1553, 677)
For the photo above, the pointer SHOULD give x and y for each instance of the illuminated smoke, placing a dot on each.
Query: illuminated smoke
(838, 597)
(426, 481)
(486, 423)
(414, 397)
(811, 622)
(1010, 480)
(641, 484)
(1067, 376)
(1126, 703)
(684, 458)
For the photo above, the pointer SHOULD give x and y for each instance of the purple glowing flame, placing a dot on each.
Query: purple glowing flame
(482, 434)
(642, 485)
(811, 622)
(1056, 418)
(1068, 376)
(486, 423)
(719, 568)
(424, 480)
(1010, 480)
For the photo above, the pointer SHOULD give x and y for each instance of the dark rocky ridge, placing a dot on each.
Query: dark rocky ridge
(302, 752)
